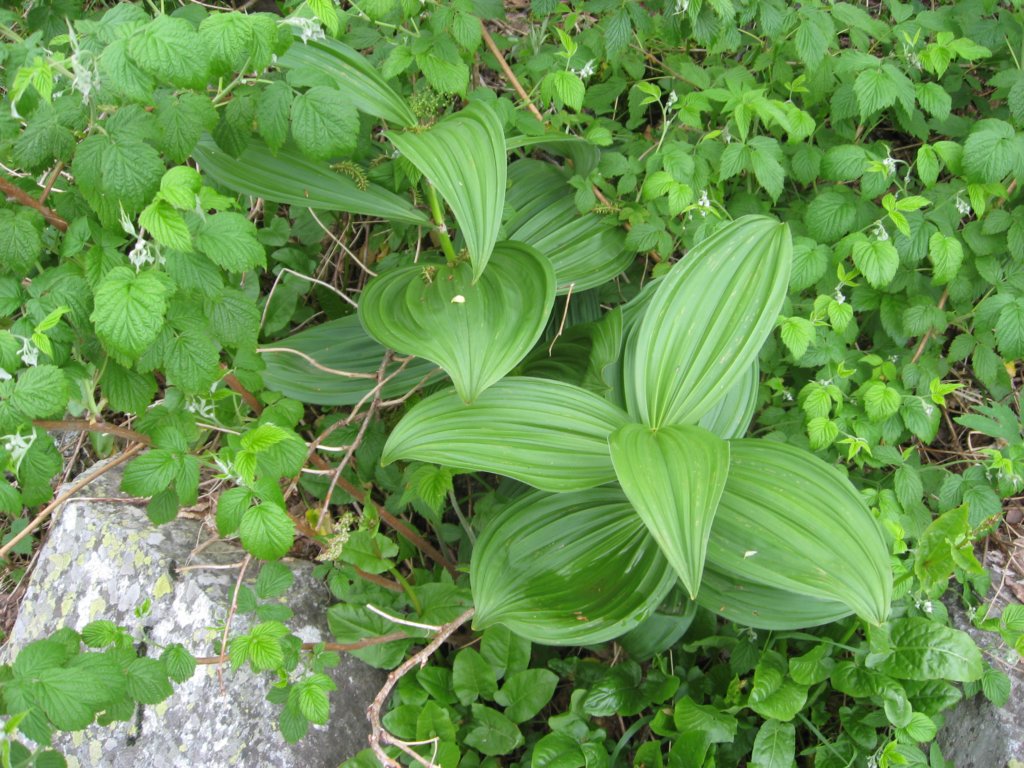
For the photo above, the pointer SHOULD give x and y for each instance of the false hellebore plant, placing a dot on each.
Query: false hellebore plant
(634, 495)
(637, 490)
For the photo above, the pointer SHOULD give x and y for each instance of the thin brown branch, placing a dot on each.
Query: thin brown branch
(366, 643)
(493, 48)
(924, 339)
(50, 181)
(74, 488)
(231, 615)
(83, 425)
(19, 195)
(379, 736)
(237, 387)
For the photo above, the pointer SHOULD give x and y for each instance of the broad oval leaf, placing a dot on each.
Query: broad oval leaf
(568, 568)
(706, 322)
(463, 155)
(730, 416)
(338, 347)
(921, 649)
(289, 177)
(544, 433)
(789, 521)
(360, 80)
(674, 478)
(477, 331)
(586, 250)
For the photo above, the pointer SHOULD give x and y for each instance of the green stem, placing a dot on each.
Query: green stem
(441, 229)
(407, 589)
(219, 98)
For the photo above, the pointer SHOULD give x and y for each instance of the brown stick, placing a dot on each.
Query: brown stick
(19, 195)
(49, 182)
(366, 643)
(924, 339)
(83, 425)
(493, 48)
(71, 491)
(378, 734)
(236, 386)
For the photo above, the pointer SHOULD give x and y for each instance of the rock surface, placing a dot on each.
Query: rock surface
(103, 559)
(977, 734)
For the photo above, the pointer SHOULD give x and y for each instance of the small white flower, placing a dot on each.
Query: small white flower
(682, 6)
(787, 395)
(199, 406)
(4, 375)
(18, 445)
(29, 352)
(726, 136)
(673, 97)
(586, 70)
(928, 408)
(880, 232)
(839, 296)
(824, 382)
(141, 254)
(704, 203)
(890, 164)
(309, 29)
(894, 358)
(962, 206)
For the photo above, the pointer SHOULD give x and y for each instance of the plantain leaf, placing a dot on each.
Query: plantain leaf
(674, 478)
(789, 521)
(730, 416)
(706, 322)
(755, 605)
(586, 250)
(544, 433)
(567, 568)
(360, 80)
(338, 347)
(288, 177)
(477, 331)
(463, 155)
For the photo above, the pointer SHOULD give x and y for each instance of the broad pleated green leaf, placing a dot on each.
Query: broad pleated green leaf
(339, 345)
(288, 177)
(463, 155)
(586, 250)
(706, 322)
(730, 416)
(789, 521)
(476, 331)
(544, 433)
(360, 80)
(568, 568)
(674, 478)
(583, 355)
(755, 605)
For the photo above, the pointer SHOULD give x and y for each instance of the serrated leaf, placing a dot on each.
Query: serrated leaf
(20, 241)
(477, 328)
(831, 215)
(266, 531)
(567, 568)
(166, 225)
(797, 333)
(1010, 330)
(179, 663)
(548, 434)
(673, 477)
(443, 67)
(272, 113)
(946, 255)
(129, 311)
(147, 681)
(324, 123)
(463, 155)
(565, 87)
(40, 391)
(160, 49)
(991, 151)
(229, 240)
(877, 260)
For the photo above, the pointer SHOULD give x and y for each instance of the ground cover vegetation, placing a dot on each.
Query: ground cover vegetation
(641, 375)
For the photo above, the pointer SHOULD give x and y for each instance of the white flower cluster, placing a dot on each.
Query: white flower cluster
(586, 70)
(17, 445)
(839, 296)
(880, 232)
(704, 204)
(29, 352)
(309, 29)
(962, 206)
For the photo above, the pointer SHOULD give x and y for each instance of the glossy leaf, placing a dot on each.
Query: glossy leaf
(360, 80)
(463, 155)
(338, 347)
(586, 250)
(568, 568)
(706, 322)
(547, 434)
(730, 416)
(789, 521)
(674, 478)
(922, 649)
(289, 177)
(476, 331)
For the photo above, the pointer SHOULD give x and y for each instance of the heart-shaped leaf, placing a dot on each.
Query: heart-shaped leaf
(463, 155)
(476, 331)
(674, 478)
(706, 322)
(789, 521)
(568, 568)
(548, 434)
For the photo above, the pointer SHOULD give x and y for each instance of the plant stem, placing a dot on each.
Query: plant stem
(442, 230)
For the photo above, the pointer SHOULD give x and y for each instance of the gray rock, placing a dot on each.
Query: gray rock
(103, 559)
(977, 734)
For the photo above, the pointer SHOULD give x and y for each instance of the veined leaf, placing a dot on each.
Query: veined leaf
(288, 177)
(359, 79)
(568, 568)
(706, 322)
(463, 155)
(547, 434)
(730, 416)
(674, 478)
(341, 346)
(475, 327)
(586, 251)
(789, 521)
